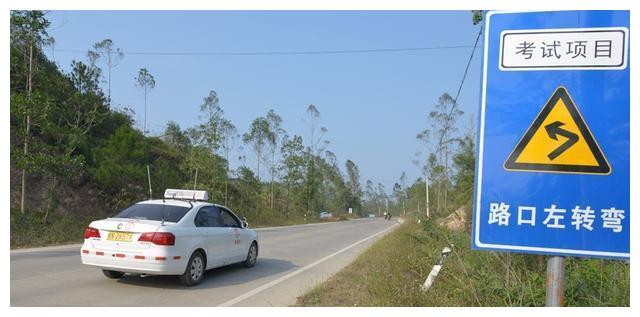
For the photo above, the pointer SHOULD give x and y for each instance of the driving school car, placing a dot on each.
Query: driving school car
(181, 234)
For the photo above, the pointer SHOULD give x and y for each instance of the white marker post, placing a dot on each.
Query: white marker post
(435, 270)
(149, 178)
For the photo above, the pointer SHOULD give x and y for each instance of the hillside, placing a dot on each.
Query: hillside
(81, 157)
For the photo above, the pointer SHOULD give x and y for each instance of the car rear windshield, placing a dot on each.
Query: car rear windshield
(154, 212)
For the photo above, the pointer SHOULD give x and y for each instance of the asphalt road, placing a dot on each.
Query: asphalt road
(291, 261)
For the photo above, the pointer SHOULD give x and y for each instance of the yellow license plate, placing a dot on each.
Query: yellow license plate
(120, 236)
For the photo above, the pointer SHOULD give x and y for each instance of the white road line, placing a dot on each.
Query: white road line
(277, 281)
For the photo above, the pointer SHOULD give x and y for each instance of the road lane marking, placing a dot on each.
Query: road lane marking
(281, 279)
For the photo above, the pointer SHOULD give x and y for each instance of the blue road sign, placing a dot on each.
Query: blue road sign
(552, 174)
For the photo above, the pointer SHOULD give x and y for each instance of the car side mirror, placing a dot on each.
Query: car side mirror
(245, 224)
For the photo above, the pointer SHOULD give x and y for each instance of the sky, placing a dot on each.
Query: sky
(373, 104)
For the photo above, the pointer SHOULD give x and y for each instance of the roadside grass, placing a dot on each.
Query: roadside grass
(392, 270)
(29, 230)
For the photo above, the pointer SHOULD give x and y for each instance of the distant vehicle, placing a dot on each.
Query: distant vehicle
(372, 215)
(325, 215)
(180, 235)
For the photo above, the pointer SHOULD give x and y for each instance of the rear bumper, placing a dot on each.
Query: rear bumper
(153, 262)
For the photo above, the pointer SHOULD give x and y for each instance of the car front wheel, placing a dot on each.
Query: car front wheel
(252, 255)
(195, 270)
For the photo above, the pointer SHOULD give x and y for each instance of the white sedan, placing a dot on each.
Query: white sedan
(179, 235)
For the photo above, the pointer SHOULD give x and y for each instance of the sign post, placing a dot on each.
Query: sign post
(555, 282)
(553, 167)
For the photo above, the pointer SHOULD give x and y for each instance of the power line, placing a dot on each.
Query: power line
(270, 53)
(464, 76)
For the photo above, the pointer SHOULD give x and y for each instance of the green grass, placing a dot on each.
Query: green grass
(391, 271)
(29, 230)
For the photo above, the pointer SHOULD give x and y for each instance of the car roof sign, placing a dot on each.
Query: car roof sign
(186, 194)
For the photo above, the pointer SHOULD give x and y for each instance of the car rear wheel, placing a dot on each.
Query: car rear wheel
(113, 274)
(252, 255)
(195, 270)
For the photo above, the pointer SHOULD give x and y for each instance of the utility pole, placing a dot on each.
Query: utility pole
(426, 185)
(144, 129)
(386, 201)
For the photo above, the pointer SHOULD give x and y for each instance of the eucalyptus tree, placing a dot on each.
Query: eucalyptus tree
(29, 34)
(212, 113)
(257, 137)
(276, 132)
(314, 149)
(293, 163)
(228, 137)
(381, 196)
(404, 193)
(441, 134)
(353, 183)
(146, 82)
(443, 120)
(112, 57)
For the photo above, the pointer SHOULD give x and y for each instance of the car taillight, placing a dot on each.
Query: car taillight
(91, 232)
(159, 238)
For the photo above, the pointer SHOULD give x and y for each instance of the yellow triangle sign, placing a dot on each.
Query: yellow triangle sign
(558, 141)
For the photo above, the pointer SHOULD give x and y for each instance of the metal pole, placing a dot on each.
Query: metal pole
(149, 177)
(144, 128)
(386, 201)
(426, 182)
(555, 282)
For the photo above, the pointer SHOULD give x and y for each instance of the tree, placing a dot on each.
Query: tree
(370, 194)
(212, 113)
(397, 192)
(85, 107)
(229, 135)
(29, 32)
(403, 191)
(381, 196)
(175, 136)
(353, 183)
(276, 130)
(257, 137)
(104, 49)
(313, 151)
(464, 162)
(476, 16)
(442, 122)
(292, 151)
(145, 81)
